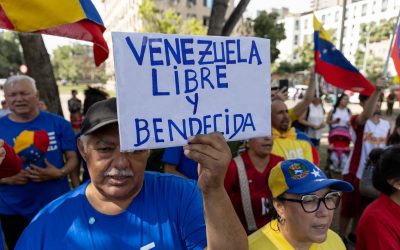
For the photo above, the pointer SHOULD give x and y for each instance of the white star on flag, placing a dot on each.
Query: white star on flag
(325, 51)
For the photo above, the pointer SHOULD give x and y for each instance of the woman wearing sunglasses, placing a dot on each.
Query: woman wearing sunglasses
(302, 208)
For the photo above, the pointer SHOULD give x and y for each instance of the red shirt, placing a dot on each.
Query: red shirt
(258, 187)
(356, 153)
(379, 226)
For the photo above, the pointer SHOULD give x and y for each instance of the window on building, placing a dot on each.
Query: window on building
(191, 3)
(384, 5)
(174, 2)
(208, 3)
(206, 21)
(347, 14)
(364, 10)
(305, 24)
(296, 40)
(336, 16)
(297, 25)
(323, 18)
(373, 7)
(354, 12)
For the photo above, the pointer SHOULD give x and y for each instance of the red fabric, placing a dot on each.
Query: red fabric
(315, 155)
(356, 154)
(258, 185)
(342, 78)
(379, 226)
(11, 164)
(84, 30)
(4, 21)
(395, 52)
(41, 140)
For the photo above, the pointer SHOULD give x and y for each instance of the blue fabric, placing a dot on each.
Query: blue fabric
(90, 11)
(186, 166)
(303, 177)
(330, 54)
(167, 212)
(28, 199)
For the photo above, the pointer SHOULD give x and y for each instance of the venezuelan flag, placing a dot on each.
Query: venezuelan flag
(334, 67)
(77, 19)
(396, 51)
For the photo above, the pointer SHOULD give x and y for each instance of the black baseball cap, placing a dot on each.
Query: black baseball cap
(100, 114)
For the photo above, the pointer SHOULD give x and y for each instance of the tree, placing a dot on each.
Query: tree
(74, 63)
(217, 25)
(10, 54)
(265, 25)
(39, 67)
(168, 22)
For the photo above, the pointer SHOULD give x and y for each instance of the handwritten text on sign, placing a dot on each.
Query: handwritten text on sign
(170, 87)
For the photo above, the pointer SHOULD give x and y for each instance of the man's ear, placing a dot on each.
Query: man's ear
(280, 209)
(395, 182)
(81, 149)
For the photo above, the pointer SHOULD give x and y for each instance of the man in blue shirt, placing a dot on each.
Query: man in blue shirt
(46, 163)
(124, 207)
(175, 162)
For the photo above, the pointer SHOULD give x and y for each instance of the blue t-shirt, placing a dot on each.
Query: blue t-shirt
(28, 199)
(167, 213)
(186, 166)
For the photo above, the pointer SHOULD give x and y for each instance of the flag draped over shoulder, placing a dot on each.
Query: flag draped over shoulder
(396, 51)
(77, 19)
(334, 67)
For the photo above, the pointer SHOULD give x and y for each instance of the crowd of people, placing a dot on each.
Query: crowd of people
(66, 185)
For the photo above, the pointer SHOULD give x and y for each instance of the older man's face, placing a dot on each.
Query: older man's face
(280, 116)
(21, 98)
(115, 175)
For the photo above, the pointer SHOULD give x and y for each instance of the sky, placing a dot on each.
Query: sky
(296, 6)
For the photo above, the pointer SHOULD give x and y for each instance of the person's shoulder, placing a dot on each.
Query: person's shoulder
(61, 205)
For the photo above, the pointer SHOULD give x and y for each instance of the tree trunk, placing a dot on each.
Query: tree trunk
(217, 18)
(39, 68)
(234, 17)
(217, 26)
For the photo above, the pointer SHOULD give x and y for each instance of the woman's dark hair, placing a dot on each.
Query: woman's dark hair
(394, 138)
(387, 168)
(339, 99)
(93, 95)
(272, 214)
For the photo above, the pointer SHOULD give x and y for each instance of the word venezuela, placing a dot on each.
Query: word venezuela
(191, 68)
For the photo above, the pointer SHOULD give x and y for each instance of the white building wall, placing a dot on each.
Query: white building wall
(360, 12)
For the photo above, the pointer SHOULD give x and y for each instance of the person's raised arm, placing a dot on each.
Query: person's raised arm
(369, 106)
(2, 151)
(224, 230)
(302, 106)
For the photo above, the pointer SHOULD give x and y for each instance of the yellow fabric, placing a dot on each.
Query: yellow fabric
(277, 182)
(322, 33)
(292, 116)
(287, 146)
(23, 140)
(269, 238)
(33, 15)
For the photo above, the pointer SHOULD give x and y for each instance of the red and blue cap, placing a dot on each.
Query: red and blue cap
(299, 176)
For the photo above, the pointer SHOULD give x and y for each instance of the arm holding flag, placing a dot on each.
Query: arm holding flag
(369, 106)
(302, 106)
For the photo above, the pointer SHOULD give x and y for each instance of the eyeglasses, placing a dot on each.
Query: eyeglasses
(311, 202)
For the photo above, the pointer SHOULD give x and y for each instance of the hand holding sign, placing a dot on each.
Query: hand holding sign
(171, 87)
(213, 154)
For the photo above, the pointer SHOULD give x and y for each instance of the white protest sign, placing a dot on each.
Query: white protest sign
(170, 87)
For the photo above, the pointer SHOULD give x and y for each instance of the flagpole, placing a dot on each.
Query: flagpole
(385, 68)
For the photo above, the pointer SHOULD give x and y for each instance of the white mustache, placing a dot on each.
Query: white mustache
(118, 172)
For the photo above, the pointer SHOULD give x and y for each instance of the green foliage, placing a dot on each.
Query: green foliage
(10, 54)
(168, 22)
(74, 63)
(265, 25)
(374, 67)
(287, 67)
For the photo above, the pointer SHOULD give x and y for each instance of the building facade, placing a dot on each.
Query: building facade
(299, 27)
(123, 15)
